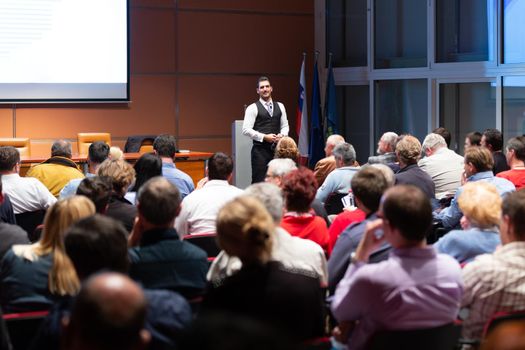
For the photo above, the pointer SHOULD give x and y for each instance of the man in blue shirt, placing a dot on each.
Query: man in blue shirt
(164, 146)
(478, 167)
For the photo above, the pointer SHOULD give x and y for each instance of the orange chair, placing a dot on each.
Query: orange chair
(22, 144)
(146, 146)
(85, 139)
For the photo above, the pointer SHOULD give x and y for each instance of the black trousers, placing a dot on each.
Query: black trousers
(261, 156)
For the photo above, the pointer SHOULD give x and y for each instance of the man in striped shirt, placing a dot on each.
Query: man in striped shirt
(496, 282)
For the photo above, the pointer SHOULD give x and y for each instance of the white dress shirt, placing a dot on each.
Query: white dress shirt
(251, 114)
(26, 193)
(199, 209)
(292, 252)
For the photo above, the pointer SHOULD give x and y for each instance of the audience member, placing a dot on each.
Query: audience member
(292, 252)
(415, 288)
(122, 176)
(444, 133)
(98, 189)
(326, 165)
(159, 259)
(354, 214)
(212, 333)
(263, 289)
(472, 139)
(109, 313)
(481, 207)
(27, 194)
(443, 165)
(277, 169)
(287, 148)
(408, 151)
(299, 192)
(57, 171)
(10, 234)
(165, 147)
(495, 282)
(478, 167)
(97, 244)
(386, 148)
(199, 209)
(32, 276)
(493, 140)
(338, 181)
(515, 154)
(97, 153)
(368, 186)
(147, 166)
(115, 153)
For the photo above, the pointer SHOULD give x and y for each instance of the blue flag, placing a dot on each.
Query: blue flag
(332, 121)
(316, 130)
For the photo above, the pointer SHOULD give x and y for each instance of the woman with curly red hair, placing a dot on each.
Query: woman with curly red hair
(299, 189)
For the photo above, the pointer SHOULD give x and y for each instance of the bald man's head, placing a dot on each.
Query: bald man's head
(109, 313)
(331, 142)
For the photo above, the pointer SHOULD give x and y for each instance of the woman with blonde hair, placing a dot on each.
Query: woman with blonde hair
(33, 276)
(287, 148)
(481, 206)
(263, 289)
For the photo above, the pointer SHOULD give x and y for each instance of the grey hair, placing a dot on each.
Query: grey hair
(270, 196)
(61, 148)
(387, 172)
(281, 166)
(345, 152)
(335, 139)
(390, 137)
(433, 141)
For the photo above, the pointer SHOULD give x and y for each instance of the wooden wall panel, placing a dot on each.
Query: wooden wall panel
(244, 43)
(209, 104)
(151, 111)
(194, 63)
(152, 40)
(6, 122)
(280, 6)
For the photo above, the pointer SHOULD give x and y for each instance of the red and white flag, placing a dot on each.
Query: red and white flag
(302, 118)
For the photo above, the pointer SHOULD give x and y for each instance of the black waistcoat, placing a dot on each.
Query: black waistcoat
(265, 123)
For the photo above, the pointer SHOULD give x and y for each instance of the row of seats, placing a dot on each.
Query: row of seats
(84, 140)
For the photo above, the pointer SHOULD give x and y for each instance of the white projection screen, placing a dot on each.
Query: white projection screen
(64, 51)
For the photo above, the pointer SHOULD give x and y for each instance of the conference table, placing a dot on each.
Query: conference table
(192, 163)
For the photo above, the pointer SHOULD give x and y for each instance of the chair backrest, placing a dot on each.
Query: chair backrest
(22, 144)
(205, 241)
(146, 146)
(333, 203)
(30, 220)
(501, 317)
(437, 338)
(23, 327)
(85, 139)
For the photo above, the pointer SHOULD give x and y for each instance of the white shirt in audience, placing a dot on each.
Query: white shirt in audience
(292, 252)
(199, 209)
(26, 193)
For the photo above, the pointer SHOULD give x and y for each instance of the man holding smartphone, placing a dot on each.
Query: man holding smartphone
(415, 288)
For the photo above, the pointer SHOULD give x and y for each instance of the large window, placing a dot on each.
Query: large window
(462, 30)
(466, 107)
(513, 31)
(401, 106)
(346, 32)
(513, 106)
(354, 109)
(400, 33)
